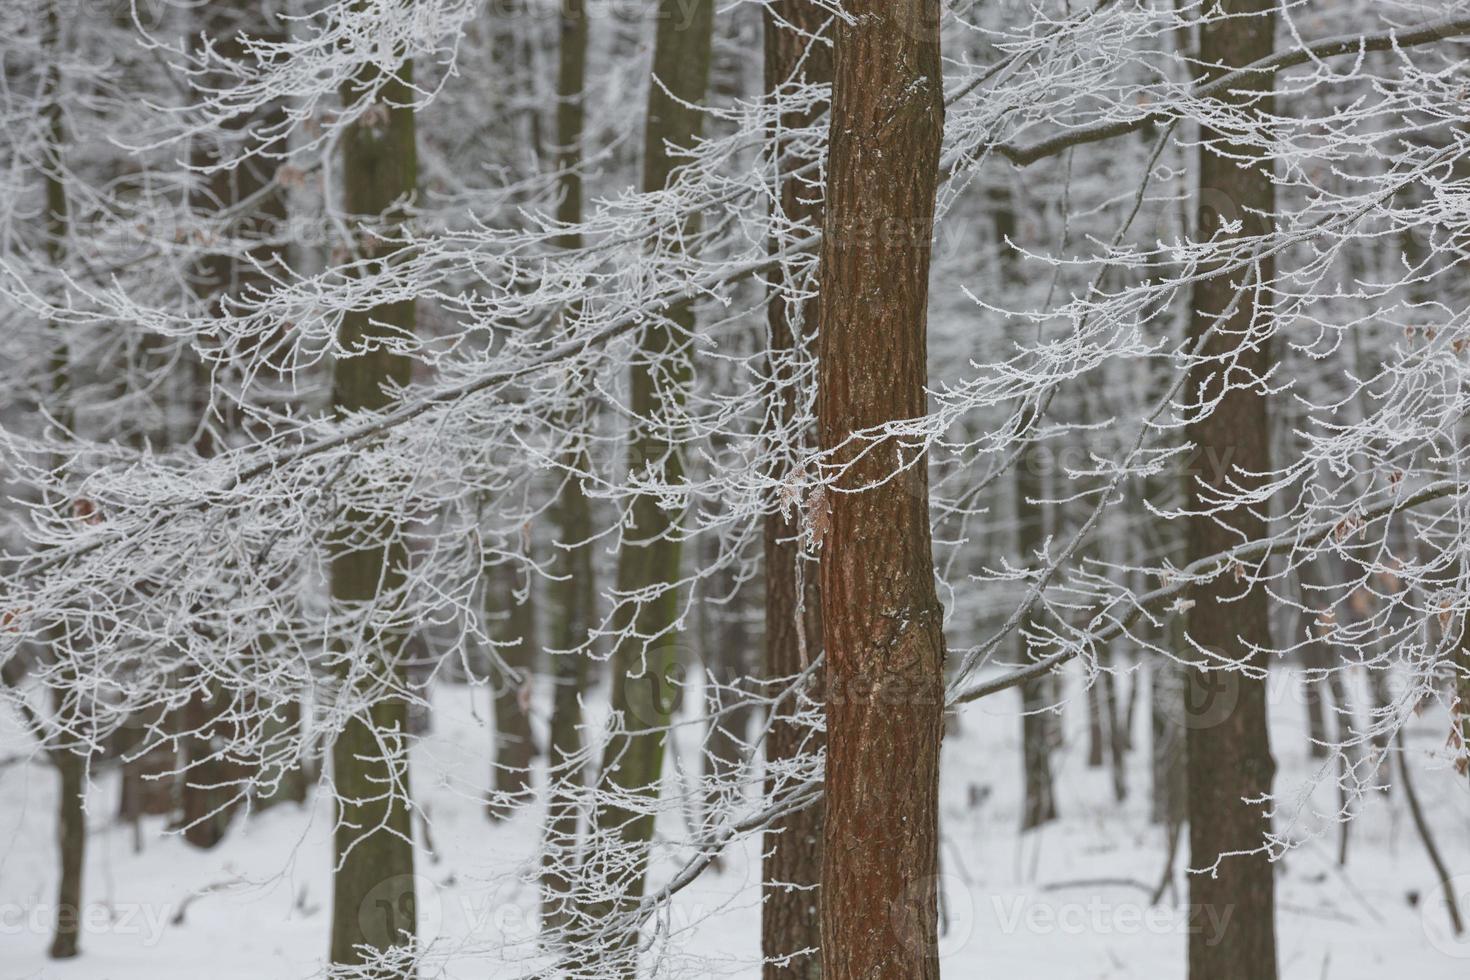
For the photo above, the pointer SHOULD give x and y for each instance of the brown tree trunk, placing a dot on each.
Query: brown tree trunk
(1227, 744)
(509, 597)
(1094, 727)
(792, 869)
(650, 554)
(729, 663)
(1040, 804)
(1117, 727)
(373, 895)
(71, 821)
(573, 593)
(881, 618)
(71, 842)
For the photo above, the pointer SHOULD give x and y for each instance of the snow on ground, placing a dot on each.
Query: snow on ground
(1067, 902)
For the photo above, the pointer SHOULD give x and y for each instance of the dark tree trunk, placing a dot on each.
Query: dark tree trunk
(650, 553)
(881, 618)
(1095, 734)
(71, 843)
(210, 789)
(1166, 716)
(1117, 729)
(797, 49)
(71, 822)
(373, 901)
(509, 598)
(1228, 745)
(574, 588)
(729, 662)
(1040, 805)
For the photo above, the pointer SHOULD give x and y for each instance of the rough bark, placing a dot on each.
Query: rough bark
(881, 618)
(373, 901)
(1228, 746)
(792, 867)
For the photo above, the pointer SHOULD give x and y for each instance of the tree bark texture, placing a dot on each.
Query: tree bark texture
(1227, 744)
(881, 618)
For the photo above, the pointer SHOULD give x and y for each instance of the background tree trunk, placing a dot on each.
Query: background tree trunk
(71, 817)
(373, 901)
(574, 586)
(792, 867)
(650, 554)
(881, 618)
(1040, 804)
(509, 598)
(1228, 746)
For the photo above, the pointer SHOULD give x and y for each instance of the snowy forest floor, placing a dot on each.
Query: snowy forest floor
(1070, 901)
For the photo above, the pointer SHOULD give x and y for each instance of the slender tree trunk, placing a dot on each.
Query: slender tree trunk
(797, 49)
(1166, 702)
(729, 662)
(650, 554)
(1315, 658)
(1117, 729)
(1460, 706)
(1040, 804)
(373, 901)
(509, 598)
(1228, 745)
(1095, 734)
(71, 842)
(574, 588)
(71, 820)
(881, 619)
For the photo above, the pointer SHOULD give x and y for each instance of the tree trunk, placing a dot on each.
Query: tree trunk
(792, 867)
(729, 662)
(1094, 726)
(650, 553)
(1040, 804)
(1228, 745)
(71, 820)
(509, 598)
(373, 902)
(881, 618)
(573, 588)
(1166, 716)
(1117, 727)
(71, 843)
